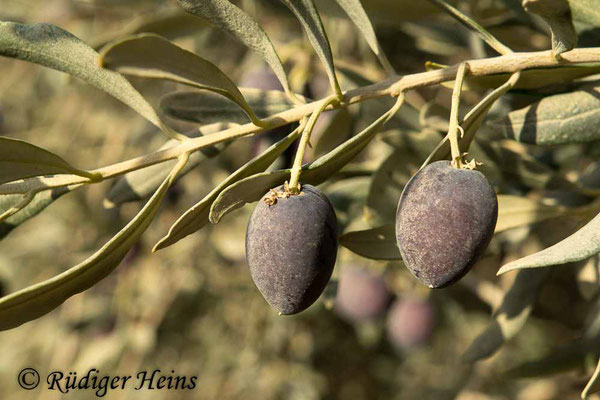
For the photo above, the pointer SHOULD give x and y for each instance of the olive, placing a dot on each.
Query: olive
(291, 247)
(361, 295)
(445, 219)
(410, 323)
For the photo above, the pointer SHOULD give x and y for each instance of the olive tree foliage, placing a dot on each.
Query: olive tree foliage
(31, 178)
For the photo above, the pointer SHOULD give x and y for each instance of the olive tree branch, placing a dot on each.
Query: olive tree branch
(393, 86)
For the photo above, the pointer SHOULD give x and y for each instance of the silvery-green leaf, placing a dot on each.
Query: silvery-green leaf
(563, 118)
(593, 385)
(37, 300)
(377, 243)
(586, 11)
(55, 48)
(242, 26)
(207, 108)
(357, 14)
(557, 15)
(306, 12)
(198, 216)
(138, 185)
(152, 56)
(39, 203)
(515, 211)
(582, 244)
(510, 317)
(251, 189)
(20, 160)
(332, 129)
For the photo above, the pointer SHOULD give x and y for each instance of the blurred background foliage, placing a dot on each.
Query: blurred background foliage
(193, 308)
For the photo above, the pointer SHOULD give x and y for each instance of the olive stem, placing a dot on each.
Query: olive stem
(305, 140)
(454, 126)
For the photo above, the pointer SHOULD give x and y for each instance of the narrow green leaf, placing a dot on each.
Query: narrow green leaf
(55, 48)
(582, 244)
(510, 316)
(152, 56)
(515, 211)
(242, 26)
(593, 386)
(39, 203)
(331, 130)
(207, 108)
(251, 189)
(138, 185)
(35, 301)
(306, 12)
(357, 14)
(20, 160)
(377, 243)
(557, 15)
(197, 216)
(563, 118)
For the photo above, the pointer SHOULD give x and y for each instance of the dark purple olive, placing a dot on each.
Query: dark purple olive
(361, 295)
(444, 222)
(291, 247)
(410, 323)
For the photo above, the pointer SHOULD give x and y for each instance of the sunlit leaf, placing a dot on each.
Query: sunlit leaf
(509, 318)
(35, 301)
(593, 386)
(563, 118)
(377, 243)
(20, 160)
(582, 244)
(308, 15)
(151, 56)
(242, 26)
(206, 108)
(557, 15)
(55, 48)
(515, 211)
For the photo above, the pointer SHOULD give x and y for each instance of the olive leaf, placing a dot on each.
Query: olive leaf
(557, 15)
(207, 108)
(242, 26)
(510, 317)
(198, 216)
(251, 189)
(515, 211)
(377, 243)
(169, 23)
(582, 244)
(586, 11)
(152, 56)
(306, 12)
(34, 301)
(39, 202)
(139, 184)
(593, 386)
(331, 130)
(52, 47)
(359, 17)
(20, 160)
(559, 119)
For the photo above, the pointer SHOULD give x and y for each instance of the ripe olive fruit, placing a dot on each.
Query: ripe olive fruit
(445, 219)
(291, 247)
(410, 323)
(361, 295)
